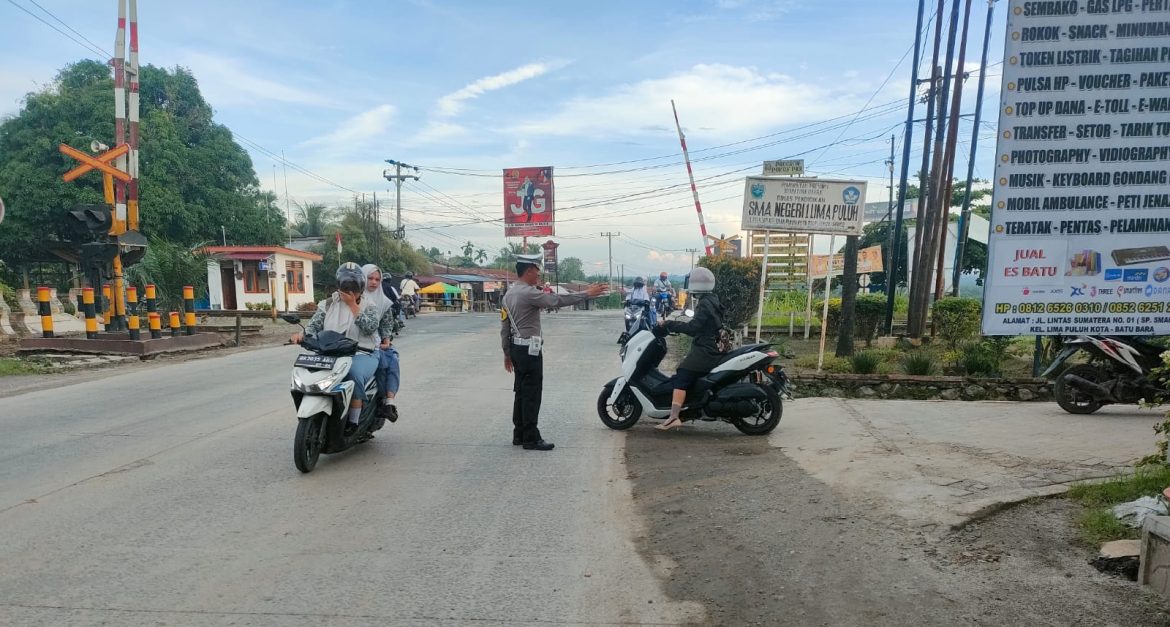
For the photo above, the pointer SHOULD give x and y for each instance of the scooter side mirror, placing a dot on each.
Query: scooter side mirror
(291, 318)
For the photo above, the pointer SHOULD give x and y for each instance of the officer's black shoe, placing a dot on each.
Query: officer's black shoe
(516, 442)
(539, 445)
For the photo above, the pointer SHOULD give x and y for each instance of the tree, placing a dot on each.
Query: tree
(468, 249)
(194, 178)
(737, 284)
(313, 219)
(170, 267)
(571, 269)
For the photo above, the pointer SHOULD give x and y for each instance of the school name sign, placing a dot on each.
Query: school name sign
(797, 205)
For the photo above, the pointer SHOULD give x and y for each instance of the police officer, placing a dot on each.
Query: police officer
(524, 347)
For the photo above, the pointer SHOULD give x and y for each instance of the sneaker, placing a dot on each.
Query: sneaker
(389, 412)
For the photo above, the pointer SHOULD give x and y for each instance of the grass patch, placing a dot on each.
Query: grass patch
(1097, 524)
(11, 366)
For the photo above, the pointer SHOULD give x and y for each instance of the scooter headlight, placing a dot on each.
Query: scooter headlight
(317, 387)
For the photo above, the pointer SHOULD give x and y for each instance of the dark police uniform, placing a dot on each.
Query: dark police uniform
(519, 324)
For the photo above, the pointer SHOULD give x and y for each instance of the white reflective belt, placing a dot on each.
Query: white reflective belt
(522, 341)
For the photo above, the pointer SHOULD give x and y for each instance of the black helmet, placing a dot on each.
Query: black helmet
(639, 282)
(409, 274)
(350, 278)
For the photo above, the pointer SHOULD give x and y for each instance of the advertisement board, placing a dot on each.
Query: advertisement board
(528, 202)
(868, 260)
(784, 167)
(800, 205)
(550, 256)
(1081, 211)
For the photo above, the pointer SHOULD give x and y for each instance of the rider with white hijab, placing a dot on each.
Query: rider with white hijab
(389, 372)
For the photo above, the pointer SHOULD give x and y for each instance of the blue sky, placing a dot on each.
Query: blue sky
(475, 87)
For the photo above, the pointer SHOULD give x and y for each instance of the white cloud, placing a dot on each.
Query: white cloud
(436, 131)
(714, 99)
(452, 103)
(357, 130)
(225, 82)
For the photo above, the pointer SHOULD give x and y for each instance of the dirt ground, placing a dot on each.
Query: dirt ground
(742, 530)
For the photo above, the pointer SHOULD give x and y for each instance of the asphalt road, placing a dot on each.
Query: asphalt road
(168, 496)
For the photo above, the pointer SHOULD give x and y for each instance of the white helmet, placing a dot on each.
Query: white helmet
(701, 281)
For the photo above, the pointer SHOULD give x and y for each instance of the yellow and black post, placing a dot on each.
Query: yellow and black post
(174, 324)
(155, 322)
(189, 308)
(45, 310)
(87, 306)
(107, 308)
(132, 312)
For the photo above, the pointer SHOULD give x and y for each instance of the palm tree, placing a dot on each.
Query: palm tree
(481, 256)
(468, 248)
(313, 220)
(170, 266)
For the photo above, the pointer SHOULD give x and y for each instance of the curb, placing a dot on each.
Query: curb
(981, 509)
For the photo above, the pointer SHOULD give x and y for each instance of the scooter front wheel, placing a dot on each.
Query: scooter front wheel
(307, 443)
(625, 411)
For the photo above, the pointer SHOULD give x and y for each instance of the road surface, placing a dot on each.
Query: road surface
(168, 496)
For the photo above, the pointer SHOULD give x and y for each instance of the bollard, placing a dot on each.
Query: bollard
(87, 306)
(238, 324)
(174, 324)
(155, 322)
(132, 312)
(151, 302)
(189, 306)
(45, 310)
(107, 303)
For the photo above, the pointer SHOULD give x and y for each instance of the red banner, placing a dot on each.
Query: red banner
(528, 202)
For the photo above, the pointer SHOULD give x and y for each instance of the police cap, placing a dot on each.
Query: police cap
(523, 261)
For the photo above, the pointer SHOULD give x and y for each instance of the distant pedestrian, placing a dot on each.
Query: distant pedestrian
(523, 347)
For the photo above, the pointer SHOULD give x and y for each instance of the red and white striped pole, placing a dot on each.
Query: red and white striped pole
(122, 162)
(690, 173)
(132, 76)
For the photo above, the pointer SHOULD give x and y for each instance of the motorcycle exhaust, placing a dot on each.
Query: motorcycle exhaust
(1096, 390)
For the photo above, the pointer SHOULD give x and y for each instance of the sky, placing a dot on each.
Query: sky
(465, 89)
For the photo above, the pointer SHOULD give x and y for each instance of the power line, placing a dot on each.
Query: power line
(75, 40)
(62, 23)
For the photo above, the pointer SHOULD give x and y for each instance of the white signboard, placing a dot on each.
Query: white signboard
(784, 167)
(1080, 223)
(803, 205)
(880, 211)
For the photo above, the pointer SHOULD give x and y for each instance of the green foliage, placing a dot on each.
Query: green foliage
(194, 177)
(1146, 481)
(957, 319)
(570, 269)
(737, 284)
(170, 266)
(920, 364)
(833, 364)
(362, 242)
(985, 358)
(865, 362)
(1098, 526)
(870, 312)
(313, 220)
(258, 306)
(10, 366)
(310, 308)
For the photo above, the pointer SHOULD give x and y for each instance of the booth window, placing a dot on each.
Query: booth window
(295, 272)
(255, 279)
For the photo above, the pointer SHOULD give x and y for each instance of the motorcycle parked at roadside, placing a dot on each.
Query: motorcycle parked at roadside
(322, 397)
(1119, 371)
(745, 389)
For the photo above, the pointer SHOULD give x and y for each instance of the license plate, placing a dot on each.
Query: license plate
(315, 362)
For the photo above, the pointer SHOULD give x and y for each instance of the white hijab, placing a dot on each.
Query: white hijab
(376, 296)
(339, 318)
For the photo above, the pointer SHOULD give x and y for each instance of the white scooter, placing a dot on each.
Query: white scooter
(744, 390)
(322, 396)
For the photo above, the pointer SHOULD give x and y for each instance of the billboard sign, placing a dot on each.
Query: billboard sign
(1080, 222)
(550, 256)
(528, 202)
(799, 205)
(784, 167)
(880, 211)
(868, 260)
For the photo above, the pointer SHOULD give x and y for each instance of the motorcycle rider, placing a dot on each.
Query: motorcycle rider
(345, 312)
(389, 372)
(409, 289)
(662, 286)
(391, 293)
(704, 327)
(640, 293)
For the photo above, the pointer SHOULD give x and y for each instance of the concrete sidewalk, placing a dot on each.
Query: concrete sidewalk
(939, 463)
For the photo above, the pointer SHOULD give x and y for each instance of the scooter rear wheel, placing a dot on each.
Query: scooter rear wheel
(766, 419)
(1073, 400)
(307, 444)
(623, 414)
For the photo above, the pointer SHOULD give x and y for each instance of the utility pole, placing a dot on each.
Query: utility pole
(890, 280)
(965, 216)
(397, 179)
(611, 236)
(692, 251)
(952, 144)
(287, 210)
(906, 142)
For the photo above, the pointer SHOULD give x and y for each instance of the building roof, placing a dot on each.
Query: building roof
(493, 273)
(468, 278)
(259, 252)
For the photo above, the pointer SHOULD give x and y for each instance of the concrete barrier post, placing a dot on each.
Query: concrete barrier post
(174, 324)
(155, 322)
(45, 310)
(107, 308)
(189, 307)
(90, 311)
(132, 312)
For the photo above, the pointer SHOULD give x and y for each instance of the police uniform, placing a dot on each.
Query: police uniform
(519, 332)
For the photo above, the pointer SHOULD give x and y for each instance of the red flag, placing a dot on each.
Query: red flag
(339, 243)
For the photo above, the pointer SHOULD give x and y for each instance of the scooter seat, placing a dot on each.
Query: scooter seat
(743, 350)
